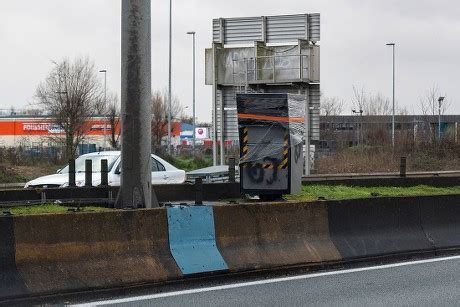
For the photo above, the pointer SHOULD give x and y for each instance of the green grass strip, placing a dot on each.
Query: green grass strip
(313, 192)
(49, 209)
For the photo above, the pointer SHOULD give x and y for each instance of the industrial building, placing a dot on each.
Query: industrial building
(348, 130)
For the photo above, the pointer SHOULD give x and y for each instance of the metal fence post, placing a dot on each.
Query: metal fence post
(198, 191)
(231, 170)
(88, 173)
(402, 167)
(104, 172)
(71, 173)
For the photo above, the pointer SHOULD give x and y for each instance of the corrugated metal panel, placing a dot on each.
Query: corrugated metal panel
(314, 27)
(314, 93)
(216, 31)
(231, 116)
(287, 28)
(283, 28)
(242, 30)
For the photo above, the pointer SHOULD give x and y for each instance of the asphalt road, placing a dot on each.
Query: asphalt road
(432, 282)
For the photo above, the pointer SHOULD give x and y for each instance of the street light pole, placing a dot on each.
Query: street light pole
(360, 125)
(440, 100)
(170, 80)
(393, 115)
(193, 121)
(104, 71)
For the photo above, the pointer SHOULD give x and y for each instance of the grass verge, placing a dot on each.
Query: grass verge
(313, 192)
(50, 209)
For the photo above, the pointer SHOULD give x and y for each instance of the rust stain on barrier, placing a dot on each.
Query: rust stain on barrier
(93, 250)
(274, 235)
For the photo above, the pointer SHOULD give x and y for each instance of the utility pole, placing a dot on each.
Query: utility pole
(440, 100)
(136, 95)
(214, 104)
(359, 125)
(104, 71)
(193, 121)
(393, 116)
(170, 78)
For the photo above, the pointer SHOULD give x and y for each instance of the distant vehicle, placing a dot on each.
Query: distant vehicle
(162, 172)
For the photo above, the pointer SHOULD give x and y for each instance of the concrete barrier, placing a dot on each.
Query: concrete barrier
(263, 236)
(74, 252)
(55, 254)
(378, 227)
(11, 283)
(440, 218)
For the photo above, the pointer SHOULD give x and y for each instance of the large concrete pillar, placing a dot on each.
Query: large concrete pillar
(136, 190)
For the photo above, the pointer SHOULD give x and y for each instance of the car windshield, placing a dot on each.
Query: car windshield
(80, 163)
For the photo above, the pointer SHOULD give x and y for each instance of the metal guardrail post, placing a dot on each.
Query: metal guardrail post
(402, 167)
(88, 173)
(104, 172)
(231, 169)
(198, 191)
(71, 173)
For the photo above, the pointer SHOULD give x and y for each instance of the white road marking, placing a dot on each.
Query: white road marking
(265, 281)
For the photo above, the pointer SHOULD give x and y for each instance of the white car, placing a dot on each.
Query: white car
(162, 172)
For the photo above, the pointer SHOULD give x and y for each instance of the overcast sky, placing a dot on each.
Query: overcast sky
(353, 51)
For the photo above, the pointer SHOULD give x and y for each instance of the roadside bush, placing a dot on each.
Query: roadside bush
(188, 162)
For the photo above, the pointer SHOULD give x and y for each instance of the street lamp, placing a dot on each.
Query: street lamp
(360, 134)
(194, 127)
(170, 80)
(440, 100)
(104, 71)
(393, 116)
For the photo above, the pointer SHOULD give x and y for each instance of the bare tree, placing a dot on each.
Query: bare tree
(113, 118)
(372, 131)
(360, 98)
(331, 106)
(110, 110)
(71, 94)
(371, 104)
(378, 105)
(160, 116)
(429, 103)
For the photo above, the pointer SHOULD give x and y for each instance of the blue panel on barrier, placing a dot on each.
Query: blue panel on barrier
(192, 239)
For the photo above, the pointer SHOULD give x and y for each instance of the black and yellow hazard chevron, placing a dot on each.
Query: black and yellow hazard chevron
(285, 162)
(245, 149)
